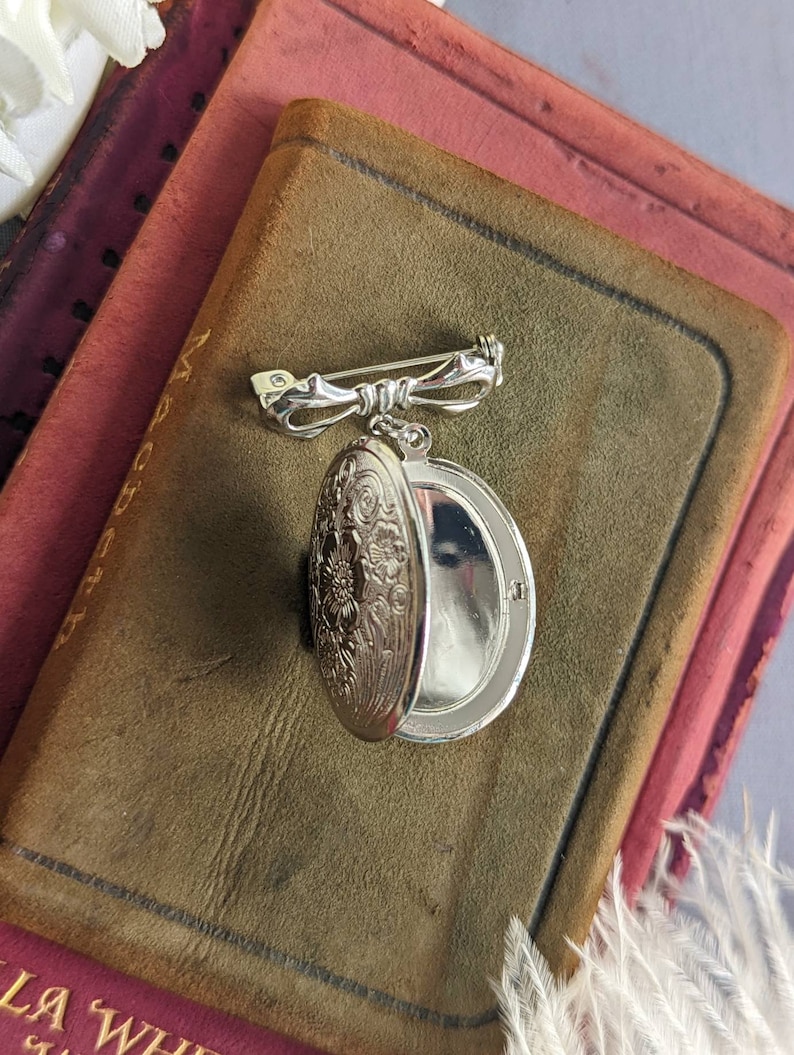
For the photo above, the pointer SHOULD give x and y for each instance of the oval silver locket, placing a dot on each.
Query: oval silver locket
(422, 596)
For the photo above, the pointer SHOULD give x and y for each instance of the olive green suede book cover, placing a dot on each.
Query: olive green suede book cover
(179, 800)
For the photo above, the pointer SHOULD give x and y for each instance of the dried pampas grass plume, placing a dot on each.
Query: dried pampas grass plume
(703, 967)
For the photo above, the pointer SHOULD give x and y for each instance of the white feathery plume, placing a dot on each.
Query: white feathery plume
(703, 967)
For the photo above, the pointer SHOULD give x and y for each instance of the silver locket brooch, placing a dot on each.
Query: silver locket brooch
(422, 596)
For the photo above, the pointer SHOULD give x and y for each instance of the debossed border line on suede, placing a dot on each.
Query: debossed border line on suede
(315, 971)
(247, 944)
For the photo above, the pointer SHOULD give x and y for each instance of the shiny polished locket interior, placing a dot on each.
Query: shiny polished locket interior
(421, 590)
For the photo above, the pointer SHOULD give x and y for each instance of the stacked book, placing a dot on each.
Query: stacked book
(183, 819)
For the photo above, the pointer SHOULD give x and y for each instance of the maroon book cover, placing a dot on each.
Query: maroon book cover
(54, 1002)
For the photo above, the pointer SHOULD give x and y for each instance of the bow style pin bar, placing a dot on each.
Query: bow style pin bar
(421, 594)
(281, 395)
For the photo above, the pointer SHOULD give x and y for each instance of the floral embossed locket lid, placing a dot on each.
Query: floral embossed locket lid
(367, 582)
(422, 596)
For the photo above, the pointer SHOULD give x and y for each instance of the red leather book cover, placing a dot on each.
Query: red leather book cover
(55, 274)
(419, 68)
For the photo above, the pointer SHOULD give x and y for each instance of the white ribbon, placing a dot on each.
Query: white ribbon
(52, 55)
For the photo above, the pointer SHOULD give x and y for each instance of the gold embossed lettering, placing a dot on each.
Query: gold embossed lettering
(160, 1037)
(163, 410)
(52, 1003)
(201, 1050)
(128, 492)
(40, 1047)
(91, 580)
(105, 542)
(108, 1032)
(143, 456)
(69, 624)
(184, 368)
(6, 999)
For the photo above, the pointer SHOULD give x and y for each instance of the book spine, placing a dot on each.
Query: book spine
(181, 375)
(258, 220)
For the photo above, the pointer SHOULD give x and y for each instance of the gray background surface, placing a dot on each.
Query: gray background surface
(718, 78)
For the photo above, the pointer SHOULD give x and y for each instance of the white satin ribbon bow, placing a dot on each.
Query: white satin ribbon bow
(52, 55)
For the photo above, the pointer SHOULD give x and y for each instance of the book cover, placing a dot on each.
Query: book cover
(215, 814)
(55, 1002)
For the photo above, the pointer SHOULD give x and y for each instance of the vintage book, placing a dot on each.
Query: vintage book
(178, 799)
(74, 472)
(54, 276)
(55, 1002)
(494, 108)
